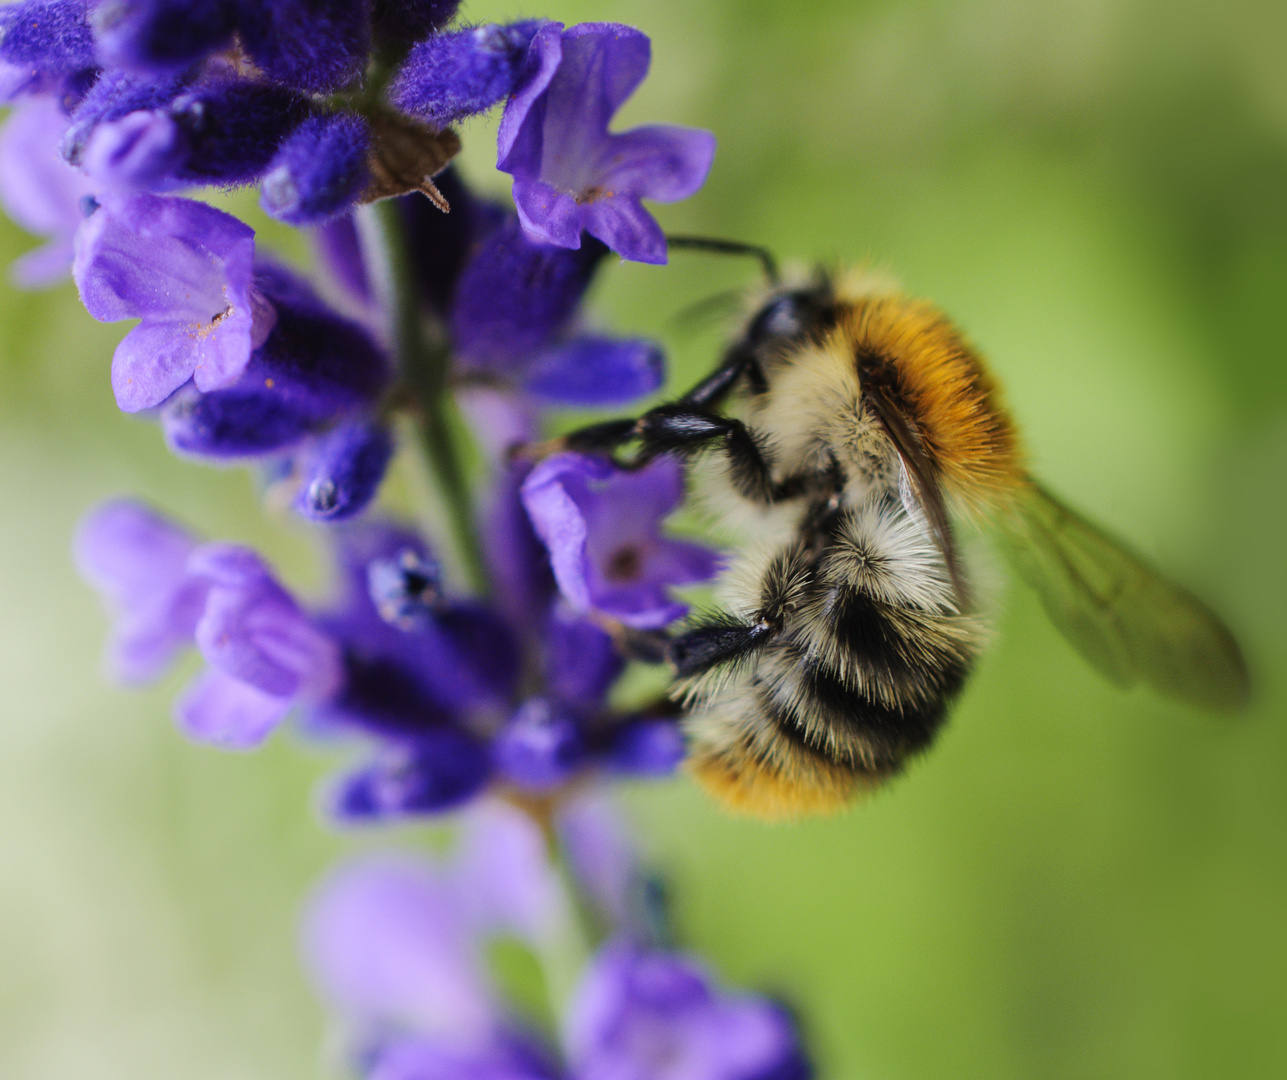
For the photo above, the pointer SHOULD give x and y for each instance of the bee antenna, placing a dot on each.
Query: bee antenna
(730, 247)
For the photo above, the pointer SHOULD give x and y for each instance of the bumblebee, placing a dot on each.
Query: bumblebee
(849, 426)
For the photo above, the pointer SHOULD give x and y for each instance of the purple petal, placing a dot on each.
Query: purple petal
(252, 630)
(547, 214)
(440, 770)
(646, 748)
(559, 521)
(138, 561)
(519, 140)
(152, 361)
(136, 152)
(186, 269)
(540, 747)
(654, 1016)
(146, 255)
(227, 712)
(39, 190)
(622, 223)
(602, 65)
(664, 163)
(517, 295)
(386, 940)
(597, 371)
(581, 661)
(633, 502)
(678, 562)
(503, 867)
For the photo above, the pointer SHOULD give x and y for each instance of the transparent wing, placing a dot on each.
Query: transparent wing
(1119, 613)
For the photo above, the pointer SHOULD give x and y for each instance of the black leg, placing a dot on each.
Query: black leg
(716, 642)
(678, 429)
(724, 638)
(705, 397)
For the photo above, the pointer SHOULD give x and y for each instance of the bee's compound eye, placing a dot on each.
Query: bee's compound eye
(782, 316)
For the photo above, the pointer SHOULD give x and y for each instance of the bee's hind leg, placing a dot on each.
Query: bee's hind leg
(724, 637)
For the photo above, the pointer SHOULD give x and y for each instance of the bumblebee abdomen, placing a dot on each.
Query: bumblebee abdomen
(858, 681)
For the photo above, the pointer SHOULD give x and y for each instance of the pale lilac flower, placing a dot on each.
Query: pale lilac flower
(40, 191)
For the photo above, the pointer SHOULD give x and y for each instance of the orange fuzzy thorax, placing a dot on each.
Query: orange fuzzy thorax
(948, 395)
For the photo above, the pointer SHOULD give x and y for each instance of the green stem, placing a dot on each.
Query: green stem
(423, 361)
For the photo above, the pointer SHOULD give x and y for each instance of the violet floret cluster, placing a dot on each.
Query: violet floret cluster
(397, 947)
(478, 655)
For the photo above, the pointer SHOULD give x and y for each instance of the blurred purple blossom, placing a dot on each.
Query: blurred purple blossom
(514, 318)
(396, 947)
(601, 527)
(167, 591)
(645, 1015)
(39, 190)
(570, 174)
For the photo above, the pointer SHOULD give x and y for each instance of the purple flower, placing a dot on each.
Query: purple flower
(395, 947)
(162, 36)
(394, 944)
(138, 561)
(343, 470)
(186, 269)
(448, 77)
(319, 170)
(601, 528)
(439, 770)
(45, 46)
(314, 45)
(641, 1015)
(387, 942)
(314, 368)
(541, 747)
(113, 96)
(265, 654)
(570, 174)
(513, 318)
(39, 190)
(168, 591)
(456, 661)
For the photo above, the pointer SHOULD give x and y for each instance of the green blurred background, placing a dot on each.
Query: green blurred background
(1076, 882)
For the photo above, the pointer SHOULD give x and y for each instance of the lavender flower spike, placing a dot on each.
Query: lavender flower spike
(186, 269)
(600, 526)
(571, 174)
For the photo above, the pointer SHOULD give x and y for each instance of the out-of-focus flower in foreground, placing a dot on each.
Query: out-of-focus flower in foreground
(398, 949)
